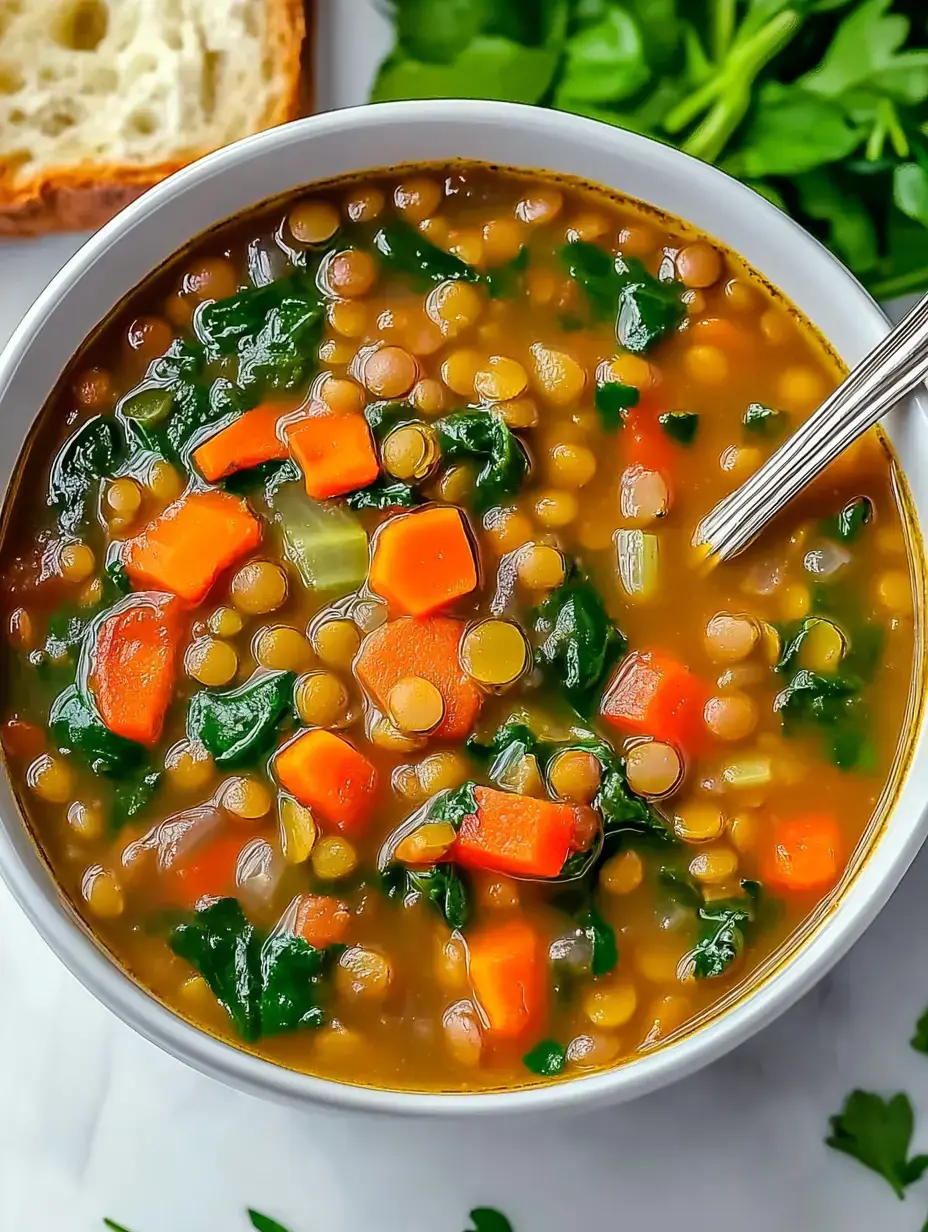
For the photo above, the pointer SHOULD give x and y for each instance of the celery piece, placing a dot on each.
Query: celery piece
(326, 542)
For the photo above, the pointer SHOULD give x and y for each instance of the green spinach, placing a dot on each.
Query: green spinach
(90, 454)
(238, 726)
(645, 309)
(483, 436)
(267, 985)
(546, 1059)
(406, 251)
(601, 935)
(578, 642)
(680, 425)
(129, 799)
(721, 936)
(834, 704)
(612, 399)
(847, 524)
(76, 729)
(454, 804)
(441, 885)
(384, 494)
(764, 421)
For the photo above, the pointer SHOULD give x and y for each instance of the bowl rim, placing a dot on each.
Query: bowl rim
(30, 881)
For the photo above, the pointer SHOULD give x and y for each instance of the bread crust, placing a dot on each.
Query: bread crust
(82, 198)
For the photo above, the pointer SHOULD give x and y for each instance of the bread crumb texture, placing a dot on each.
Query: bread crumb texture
(99, 99)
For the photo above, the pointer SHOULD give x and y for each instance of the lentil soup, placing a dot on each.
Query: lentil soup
(358, 683)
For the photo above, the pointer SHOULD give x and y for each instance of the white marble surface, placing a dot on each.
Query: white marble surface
(95, 1121)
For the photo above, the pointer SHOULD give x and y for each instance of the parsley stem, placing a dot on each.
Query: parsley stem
(889, 288)
(739, 72)
(723, 28)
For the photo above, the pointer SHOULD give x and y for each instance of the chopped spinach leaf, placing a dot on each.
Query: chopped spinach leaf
(383, 494)
(236, 727)
(721, 936)
(484, 436)
(546, 1059)
(76, 729)
(147, 407)
(114, 1226)
(601, 935)
(266, 985)
(851, 520)
(509, 745)
(267, 477)
(454, 805)
(504, 281)
(680, 425)
(649, 309)
(611, 400)
(405, 251)
(646, 309)
(878, 1133)
(443, 886)
(90, 454)
(116, 573)
(834, 703)
(762, 420)
(383, 417)
(579, 643)
(129, 799)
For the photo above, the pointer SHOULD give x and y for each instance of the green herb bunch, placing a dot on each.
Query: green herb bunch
(820, 105)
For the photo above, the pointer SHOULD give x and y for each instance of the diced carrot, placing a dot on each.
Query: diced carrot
(508, 973)
(247, 441)
(186, 547)
(134, 665)
(804, 853)
(321, 920)
(329, 776)
(20, 738)
(426, 648)
(423, 560)
(334, 451)
(209, 871)
(644, 442)
(652, 694)
(515, 834)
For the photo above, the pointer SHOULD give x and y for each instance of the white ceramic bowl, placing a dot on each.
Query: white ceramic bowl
(148, 232)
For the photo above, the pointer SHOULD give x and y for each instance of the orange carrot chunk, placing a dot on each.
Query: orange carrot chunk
(508, 972)
(644, 442)
(248, 441)
(805, 853)
(321, 920)
(209, 872)
(334, 451)
(186, 547)
(329, 776)
(515, 834)
(651, 694)
(134, 665)
(423, 560)
(426, 648)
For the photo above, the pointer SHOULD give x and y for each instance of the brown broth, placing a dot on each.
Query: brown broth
(752, 348)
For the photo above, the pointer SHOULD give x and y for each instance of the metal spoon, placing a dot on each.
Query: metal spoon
(892, 369)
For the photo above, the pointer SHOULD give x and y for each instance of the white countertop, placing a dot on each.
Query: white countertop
(95, 1121)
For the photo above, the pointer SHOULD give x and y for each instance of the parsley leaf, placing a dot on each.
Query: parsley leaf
(264, 1223)
(878, 1133)
(488, 1219)
(919, 1040)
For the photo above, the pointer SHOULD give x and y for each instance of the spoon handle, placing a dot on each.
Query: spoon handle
(892, 369)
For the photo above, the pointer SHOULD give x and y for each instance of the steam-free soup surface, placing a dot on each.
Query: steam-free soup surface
(360, 684)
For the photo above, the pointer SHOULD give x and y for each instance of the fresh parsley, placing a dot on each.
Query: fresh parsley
(878, 1133)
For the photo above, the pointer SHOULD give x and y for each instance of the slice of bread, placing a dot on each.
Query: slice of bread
(100, 99)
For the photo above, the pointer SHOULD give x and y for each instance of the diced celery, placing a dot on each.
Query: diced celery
(637, 555)
(747, 773)
(326, 543)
